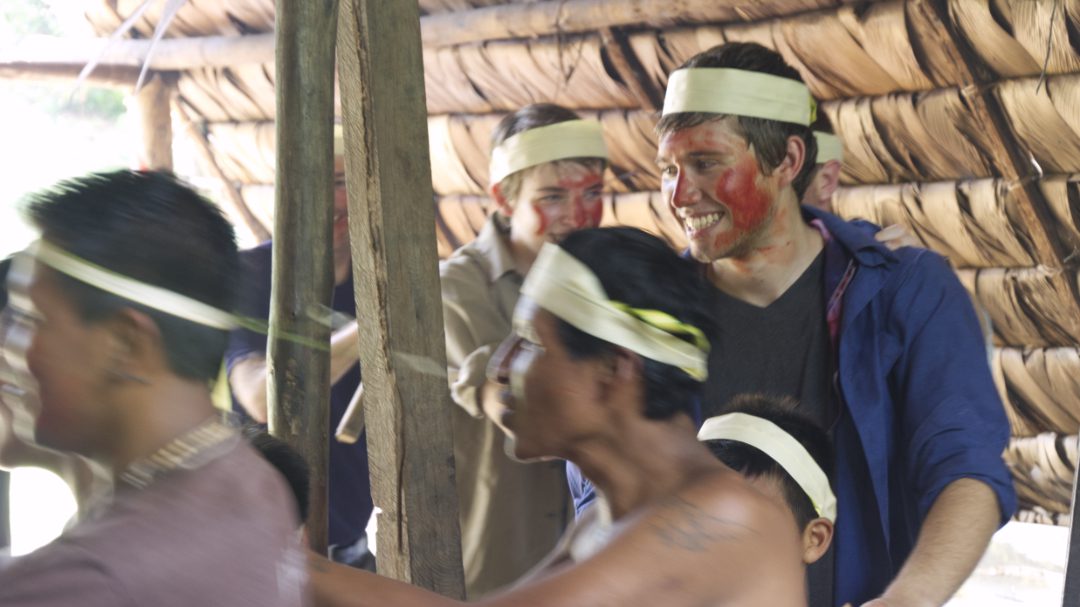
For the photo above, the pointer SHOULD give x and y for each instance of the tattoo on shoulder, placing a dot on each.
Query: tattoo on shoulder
(682, 524)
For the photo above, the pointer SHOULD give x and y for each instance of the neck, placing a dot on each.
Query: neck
(773, 262)
(523, 255)
(157, 413)
(642, 460)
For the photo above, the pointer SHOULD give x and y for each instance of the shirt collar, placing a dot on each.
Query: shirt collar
(493, 245)
(856, 237)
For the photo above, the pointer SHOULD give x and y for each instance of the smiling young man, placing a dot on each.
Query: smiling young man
(880, 347)
(547, 169)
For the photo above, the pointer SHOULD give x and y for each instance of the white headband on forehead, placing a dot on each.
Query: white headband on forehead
(567, 288)
(721, 90)
(828, 147)
(160, 299)
(781, 447)
(560, 141)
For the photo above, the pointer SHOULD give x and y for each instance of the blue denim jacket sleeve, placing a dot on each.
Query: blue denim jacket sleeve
(953, 424)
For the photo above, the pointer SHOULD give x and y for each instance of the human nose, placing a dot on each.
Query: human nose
(498, 369)
(684, 191)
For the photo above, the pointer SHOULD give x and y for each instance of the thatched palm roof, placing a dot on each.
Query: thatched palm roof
(949, 124)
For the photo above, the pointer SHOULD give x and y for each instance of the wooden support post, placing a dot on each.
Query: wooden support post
(1071, 596)
(5, 508)
(155, 113)
(391, 225)
(298, 388)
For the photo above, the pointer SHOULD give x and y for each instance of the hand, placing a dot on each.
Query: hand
(896, 236)
(491, 395)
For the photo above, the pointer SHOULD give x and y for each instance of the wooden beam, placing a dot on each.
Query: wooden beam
(154, 101)
(299, 376)
(167, 54)
(108, 75)
(550, 17)
(499, 22)
(1071, 595)
(391, 225)
(233, 198)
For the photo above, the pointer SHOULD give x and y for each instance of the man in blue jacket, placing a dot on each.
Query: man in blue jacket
(881, 347)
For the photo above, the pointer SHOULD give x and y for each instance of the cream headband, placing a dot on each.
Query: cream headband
(560, 141)
(719, 90)
(782, 447)
(567, 288)
(828, 147)
(162, 300)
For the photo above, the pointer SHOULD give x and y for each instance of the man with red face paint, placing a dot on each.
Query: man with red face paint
(546, 178)
(880, 347)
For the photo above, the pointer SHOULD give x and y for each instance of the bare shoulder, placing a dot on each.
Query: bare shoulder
(713, 511)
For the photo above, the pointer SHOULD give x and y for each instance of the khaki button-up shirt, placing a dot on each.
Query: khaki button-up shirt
(512, 514)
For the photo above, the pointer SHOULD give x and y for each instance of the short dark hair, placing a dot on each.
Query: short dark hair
(149, 226)
(641, 270)
(751, 462)
(530, 117)
(285, 460)
(767, 137)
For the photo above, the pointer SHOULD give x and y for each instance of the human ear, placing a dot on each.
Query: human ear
(794, 157)
(829, 176)
(135, 342)
(816, 538)
(619, 370)
(502, 203)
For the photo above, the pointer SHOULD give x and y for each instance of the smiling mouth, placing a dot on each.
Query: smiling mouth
(698, 223)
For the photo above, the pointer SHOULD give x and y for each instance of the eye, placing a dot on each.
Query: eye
(668, 171)
(593, 195)
(704, 164)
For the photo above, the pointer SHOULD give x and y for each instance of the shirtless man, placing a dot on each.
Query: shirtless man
(607, 358)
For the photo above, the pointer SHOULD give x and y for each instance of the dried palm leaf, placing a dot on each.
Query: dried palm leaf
(990, 39)
(1028, 306)
(1037, 120)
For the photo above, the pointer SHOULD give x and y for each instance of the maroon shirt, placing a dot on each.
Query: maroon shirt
(222, 534)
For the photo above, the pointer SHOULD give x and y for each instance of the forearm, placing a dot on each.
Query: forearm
(334, 585)
(952, 540)
(247, 378)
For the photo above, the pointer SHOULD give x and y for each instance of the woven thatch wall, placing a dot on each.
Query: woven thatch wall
(907, 93)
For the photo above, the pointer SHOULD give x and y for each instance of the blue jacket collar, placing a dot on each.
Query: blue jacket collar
(857, 237)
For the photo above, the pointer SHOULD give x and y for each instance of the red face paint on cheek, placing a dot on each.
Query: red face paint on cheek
(737, 189)
(543, 219)
(594, 212)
